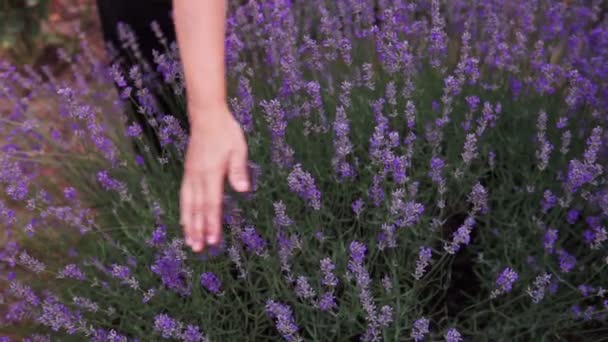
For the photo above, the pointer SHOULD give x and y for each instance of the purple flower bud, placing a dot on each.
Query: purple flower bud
(327, 269)
(549, 239)
(420, 329)
(566, 261)
(452, 335)
(505, 281)
(357, 206)
(283, 317)
(327, 301)
(211, 282)
(71, 271)
(253, 241)
(424, 258)
(303, 184)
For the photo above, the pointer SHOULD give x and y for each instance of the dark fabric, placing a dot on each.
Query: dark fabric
(138, 14)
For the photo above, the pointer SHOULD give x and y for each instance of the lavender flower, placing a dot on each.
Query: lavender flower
(357, 206)
(420, 329)
(549, 239)
(470, 149)
(537, 290)
(280, 217)
(31, 263)
(71, 271)
(479, 199)
(167, 327)
(211, 282)
(327, 269)
(566, 261)
(544, 146)
(168, 265)
(461, 236)
(283, 317)
(327, 301)
(303, 288)
(452, 335)
(303, 184)
(504, 282)
(424, 258)
(253, 241)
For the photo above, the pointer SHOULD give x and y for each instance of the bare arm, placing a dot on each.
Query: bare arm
(217, 146)
(200, 30)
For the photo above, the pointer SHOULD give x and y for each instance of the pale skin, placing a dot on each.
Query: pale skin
(217, 148)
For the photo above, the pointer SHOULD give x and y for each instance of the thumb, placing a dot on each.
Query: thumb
(238, 174)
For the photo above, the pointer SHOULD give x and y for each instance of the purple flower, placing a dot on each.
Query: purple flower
(420, 329)
(120, 272)
(544, 146)
(284, 320)
(436, 165)
(134, 130)
(424, 258)
(549, 239)
(479, 199)
(327, 301)
(357, 206)
(342, 146)
(505, 281)
(159, 236)
(327, 269)
(280, 217)
(167, 327)
(549, 201)
(168, 265)
(438, 39)
(192, 333)
(31, 263)
(253, 241)
(572, 216)
(537, 291)
(57, 316)
(211, 282)
(452, 335)
(303, 184)
(303, 288)
(461, 236)
(470, 149)
(357, 251)
(69, 193)
(71, 271)
(566, 261)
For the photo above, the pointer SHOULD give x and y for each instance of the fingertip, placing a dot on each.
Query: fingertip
(240, 185)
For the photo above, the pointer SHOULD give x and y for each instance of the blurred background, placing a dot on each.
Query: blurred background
(32, 30)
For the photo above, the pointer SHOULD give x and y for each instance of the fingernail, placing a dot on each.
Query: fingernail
(243, 185)
(212, 239)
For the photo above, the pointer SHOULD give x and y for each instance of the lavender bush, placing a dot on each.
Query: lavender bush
(424, 171)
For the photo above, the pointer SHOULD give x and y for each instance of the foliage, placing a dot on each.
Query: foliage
(20, 24)
(423, 170)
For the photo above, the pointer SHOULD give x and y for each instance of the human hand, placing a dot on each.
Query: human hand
(216, 149)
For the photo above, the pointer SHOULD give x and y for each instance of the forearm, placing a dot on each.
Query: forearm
(200, 30)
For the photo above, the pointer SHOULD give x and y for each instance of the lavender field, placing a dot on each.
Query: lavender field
(423, 170)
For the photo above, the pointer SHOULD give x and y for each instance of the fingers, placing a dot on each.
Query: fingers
(238, 174)
(198, 217)
(213, 184)
(185, 211)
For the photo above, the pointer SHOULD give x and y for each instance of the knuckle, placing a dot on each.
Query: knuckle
(212, 205)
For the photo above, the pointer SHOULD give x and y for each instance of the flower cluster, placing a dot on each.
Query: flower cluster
(403, 153)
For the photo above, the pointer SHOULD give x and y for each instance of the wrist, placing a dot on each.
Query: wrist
(201, 116)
